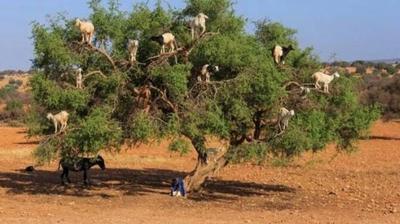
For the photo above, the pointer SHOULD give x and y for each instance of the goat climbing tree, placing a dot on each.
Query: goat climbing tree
(239, 105)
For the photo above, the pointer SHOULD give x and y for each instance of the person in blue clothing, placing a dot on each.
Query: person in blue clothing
(178, 187)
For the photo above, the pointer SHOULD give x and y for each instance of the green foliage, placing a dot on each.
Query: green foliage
(221, 14)
(254, 152)
(46, 152)
(54, 98)
(37, 123)
(141, 128)
(292, 143)
(355, 125)
(13, 111)
(96, 132)
(391, 70)
(316, 126)
(241, 101)
(51, 51)
(14, 105)
(14, 101)
(6, 91)
(174, 79)
(274, 33)
(179, 145)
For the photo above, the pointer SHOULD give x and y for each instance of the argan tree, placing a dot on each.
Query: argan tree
(156, 98)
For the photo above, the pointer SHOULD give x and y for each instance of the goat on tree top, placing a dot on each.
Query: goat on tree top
(130, 101)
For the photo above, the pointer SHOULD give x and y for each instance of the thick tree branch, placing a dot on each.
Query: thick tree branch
(98, 72)
(103, 52)
(163, 96)
(303, 85)
(292, 83)
(98, 50)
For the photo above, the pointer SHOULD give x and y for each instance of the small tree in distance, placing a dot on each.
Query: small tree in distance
(238, 106)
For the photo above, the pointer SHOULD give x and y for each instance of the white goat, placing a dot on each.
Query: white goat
(321, 77)
(283, 118)
(279, 53)
(60, 118)
(167, 40)
(87, 30)
(79, 78)
(133, 46)
(206, 71)
(198, 25)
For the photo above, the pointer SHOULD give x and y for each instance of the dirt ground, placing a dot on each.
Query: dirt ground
(327, 187)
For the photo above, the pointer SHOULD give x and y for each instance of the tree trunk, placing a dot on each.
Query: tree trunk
(257, 124)
(207, 166)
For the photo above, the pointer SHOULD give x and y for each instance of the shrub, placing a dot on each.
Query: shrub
(383, 92)
(361, 69)
(7, 91)
(15, 82)
(179, 145)
(13, 111)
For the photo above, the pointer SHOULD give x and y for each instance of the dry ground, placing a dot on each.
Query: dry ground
(321, 188)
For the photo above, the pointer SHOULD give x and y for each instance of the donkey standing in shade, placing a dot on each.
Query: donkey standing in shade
(79, 164)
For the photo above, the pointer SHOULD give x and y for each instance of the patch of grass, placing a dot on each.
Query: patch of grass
(281, 162)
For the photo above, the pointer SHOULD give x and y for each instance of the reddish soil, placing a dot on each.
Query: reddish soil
(317, 188)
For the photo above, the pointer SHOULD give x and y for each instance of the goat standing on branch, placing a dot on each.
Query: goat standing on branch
(279, 53)
(198, 25)
(87, 30)
(283, 118)
(206, 71)
(321, 77)
(79, 78)
(133, 46)
(60, 118)
(167, 40)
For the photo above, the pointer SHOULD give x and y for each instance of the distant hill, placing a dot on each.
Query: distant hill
(376, 61)
(14, 72)
(387, 61)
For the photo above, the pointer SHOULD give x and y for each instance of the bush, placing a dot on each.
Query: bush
(15, 101)
(179, 145)
(15, 82)
(13, 111)
(361, 69)
(254, 152)
(391, 70)
(383, 92)
(7, 91)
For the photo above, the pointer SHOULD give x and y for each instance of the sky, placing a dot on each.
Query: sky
(336, 29)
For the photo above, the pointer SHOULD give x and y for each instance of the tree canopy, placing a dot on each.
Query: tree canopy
(239, 105)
